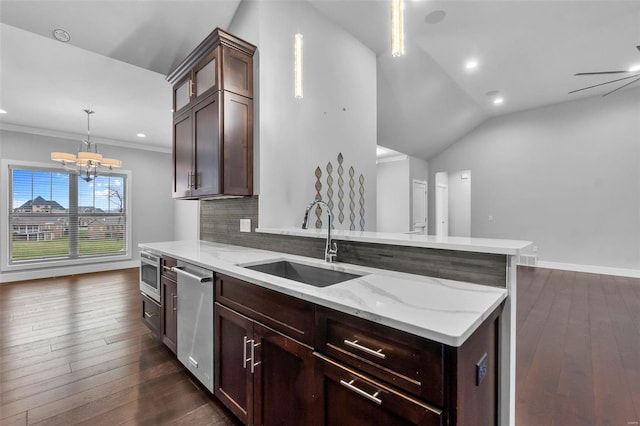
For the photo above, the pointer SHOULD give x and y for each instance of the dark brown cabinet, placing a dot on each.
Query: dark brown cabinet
(169, 318)
(151, 312)
(169, 310)
(262, 376)
(283, 360)
(213, 119)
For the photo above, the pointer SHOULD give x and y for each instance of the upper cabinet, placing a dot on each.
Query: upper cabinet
(213, 119)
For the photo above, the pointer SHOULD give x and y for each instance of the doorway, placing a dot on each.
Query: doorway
(442, 204)
(419, 206)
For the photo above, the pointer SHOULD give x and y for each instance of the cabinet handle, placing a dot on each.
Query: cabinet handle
(201, 280)
(253, 355)
(148, 315)
(244, 352)
(351, 387)
(166, 268)
(356, 345)
(173, 302)
(191, 89)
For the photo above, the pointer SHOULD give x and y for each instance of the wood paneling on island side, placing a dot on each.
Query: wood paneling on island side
(220, 223)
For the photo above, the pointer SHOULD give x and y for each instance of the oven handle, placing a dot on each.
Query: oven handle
(180, 271)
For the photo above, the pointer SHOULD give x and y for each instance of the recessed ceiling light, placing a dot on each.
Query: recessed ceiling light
(471, 64)
(498, 101)
(141, 135)
(435, 17)
(2, 111)
(634, 68)
(61, 35)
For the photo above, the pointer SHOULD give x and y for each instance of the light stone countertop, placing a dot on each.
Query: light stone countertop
(438, 309)
(478, 245)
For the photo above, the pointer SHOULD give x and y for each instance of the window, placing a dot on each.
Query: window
(57, 215)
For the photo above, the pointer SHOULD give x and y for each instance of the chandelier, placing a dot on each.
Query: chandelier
(88, 159)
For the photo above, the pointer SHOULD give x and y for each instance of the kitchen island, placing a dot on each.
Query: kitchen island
(443, 311)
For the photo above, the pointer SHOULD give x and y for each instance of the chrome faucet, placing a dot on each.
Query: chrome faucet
(331, 249)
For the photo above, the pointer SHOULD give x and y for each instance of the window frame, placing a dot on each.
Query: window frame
(7, 265)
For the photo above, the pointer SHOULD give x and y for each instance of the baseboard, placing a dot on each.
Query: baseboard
(7, 277)
(594, 269)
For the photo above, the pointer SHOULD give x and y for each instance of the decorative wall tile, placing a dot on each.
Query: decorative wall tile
(318, 197)
(330, 189)
(340, 190)
(341, 201)
(361, 190)
(352, 203)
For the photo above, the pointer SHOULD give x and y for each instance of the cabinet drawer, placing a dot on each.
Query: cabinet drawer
(151, 314)
(291, 316)
(408, 362)
(353, 399)
(167, 264)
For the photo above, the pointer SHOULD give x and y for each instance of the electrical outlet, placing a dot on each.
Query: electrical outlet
(481, 369)
(490, 218)
(245, 225)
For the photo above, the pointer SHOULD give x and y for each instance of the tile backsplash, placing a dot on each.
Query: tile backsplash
(220, 222)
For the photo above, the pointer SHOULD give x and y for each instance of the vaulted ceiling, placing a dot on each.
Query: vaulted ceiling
(120, 51)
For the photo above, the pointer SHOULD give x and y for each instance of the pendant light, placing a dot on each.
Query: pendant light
(88, 159)
(397, 27)
(297, 47)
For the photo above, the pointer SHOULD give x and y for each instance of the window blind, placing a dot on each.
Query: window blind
(57, 215)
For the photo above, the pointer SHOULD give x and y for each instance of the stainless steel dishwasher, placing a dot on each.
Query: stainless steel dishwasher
(195, 321)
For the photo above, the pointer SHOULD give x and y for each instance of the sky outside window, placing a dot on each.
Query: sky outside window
(105, 192)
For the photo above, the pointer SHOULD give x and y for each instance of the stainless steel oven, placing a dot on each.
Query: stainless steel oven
(150, 266)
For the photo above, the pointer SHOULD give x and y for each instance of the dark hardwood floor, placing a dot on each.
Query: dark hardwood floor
(73, 350)
(578, 349)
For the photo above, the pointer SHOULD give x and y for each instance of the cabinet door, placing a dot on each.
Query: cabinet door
(170, 318)
(182, 156)
(206, 136)
(233, 379)
(206, 76)
(237, 72)
(238, 145)
(283, 379)
(350, 398)
(182, 93)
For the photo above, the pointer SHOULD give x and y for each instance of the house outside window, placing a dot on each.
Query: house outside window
(55, 215)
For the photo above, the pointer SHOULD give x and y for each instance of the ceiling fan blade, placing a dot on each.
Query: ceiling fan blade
(623, 86)
(602, 72)
(602, 84)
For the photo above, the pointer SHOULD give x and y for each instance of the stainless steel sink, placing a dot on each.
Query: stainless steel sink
(312, 275)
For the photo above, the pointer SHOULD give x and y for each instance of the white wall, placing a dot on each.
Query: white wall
(566, 177)
(153, 210)
(393, 196)
(337, 114)
(460, 203)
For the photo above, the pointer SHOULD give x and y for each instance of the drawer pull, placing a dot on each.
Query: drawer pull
(351, 387)
(166, 268)
(148, 315)
(356, 345)
(254, 345)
